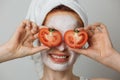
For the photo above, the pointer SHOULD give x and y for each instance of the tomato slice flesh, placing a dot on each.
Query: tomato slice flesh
(75, 40)
(48, 38)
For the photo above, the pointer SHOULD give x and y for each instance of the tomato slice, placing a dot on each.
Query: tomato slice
(76, 38)
(50, 37)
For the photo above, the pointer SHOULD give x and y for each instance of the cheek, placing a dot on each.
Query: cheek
(73, 57)
(44, 53)
(44, 56)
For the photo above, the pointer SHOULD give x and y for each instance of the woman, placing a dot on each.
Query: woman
(62, 15)
(58, 61)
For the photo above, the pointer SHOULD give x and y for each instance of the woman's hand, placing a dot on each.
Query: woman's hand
(21, 44)
(99, 45)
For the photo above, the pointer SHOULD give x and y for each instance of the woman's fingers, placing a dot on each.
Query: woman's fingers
(35, 28)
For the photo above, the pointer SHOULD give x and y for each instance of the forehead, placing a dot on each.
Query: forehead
(63, 20)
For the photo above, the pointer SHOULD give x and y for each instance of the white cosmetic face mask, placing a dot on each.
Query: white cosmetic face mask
(62, 23)
(59, 67)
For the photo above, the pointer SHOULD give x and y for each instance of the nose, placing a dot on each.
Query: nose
(62, 47)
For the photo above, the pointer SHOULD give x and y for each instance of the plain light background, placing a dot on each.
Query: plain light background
(12, 12)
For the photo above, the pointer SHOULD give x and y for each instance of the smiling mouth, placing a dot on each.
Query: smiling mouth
(59, 58)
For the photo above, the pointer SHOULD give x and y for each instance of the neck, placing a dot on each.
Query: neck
(58, 75)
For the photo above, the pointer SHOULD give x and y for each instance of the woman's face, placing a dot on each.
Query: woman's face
(61, 58)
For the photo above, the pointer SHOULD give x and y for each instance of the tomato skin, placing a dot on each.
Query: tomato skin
(75, 39)
(48, 38)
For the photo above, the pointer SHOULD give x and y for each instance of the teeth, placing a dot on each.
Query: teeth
(60, 57)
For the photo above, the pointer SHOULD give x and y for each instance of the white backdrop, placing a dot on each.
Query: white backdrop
(12, 12)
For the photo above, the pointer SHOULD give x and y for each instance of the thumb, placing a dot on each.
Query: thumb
(38, 49)
(80, 51)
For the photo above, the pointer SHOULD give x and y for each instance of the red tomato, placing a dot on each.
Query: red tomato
(75, 38)
(50, 37)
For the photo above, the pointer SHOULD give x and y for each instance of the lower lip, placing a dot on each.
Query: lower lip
(58, 60)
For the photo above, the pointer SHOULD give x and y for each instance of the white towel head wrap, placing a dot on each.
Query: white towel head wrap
(40, 8)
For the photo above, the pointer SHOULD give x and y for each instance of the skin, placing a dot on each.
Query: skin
(58, 73)
(21, 43)
(105, 53)
(25, 35)
(65, 74)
